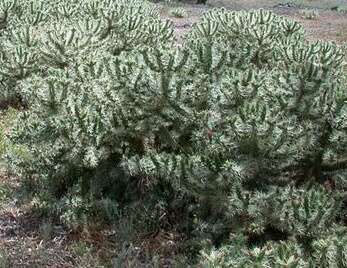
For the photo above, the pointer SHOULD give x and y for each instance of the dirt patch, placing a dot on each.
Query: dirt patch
(23, 240)
(22, 245)
(328, 26)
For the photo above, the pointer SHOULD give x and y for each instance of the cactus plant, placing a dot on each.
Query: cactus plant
(242, 129)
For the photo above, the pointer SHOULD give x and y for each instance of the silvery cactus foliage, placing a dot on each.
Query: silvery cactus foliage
(246, 118)
(330, 252)
(36, 35)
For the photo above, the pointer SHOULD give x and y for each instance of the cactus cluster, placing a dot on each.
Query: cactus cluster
(241, 129)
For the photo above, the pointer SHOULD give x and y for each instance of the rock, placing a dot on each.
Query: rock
(286, 5)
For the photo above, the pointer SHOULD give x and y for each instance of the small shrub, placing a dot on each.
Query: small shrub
(46, 231)
(309, 14)
(4, 259)
(80, 248)
(7, 118)
(342, 9)
(131, 256)
(178, 12)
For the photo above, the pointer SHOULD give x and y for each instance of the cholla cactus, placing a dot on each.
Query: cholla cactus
(245, 124)
(55, 33)
(329, 252)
